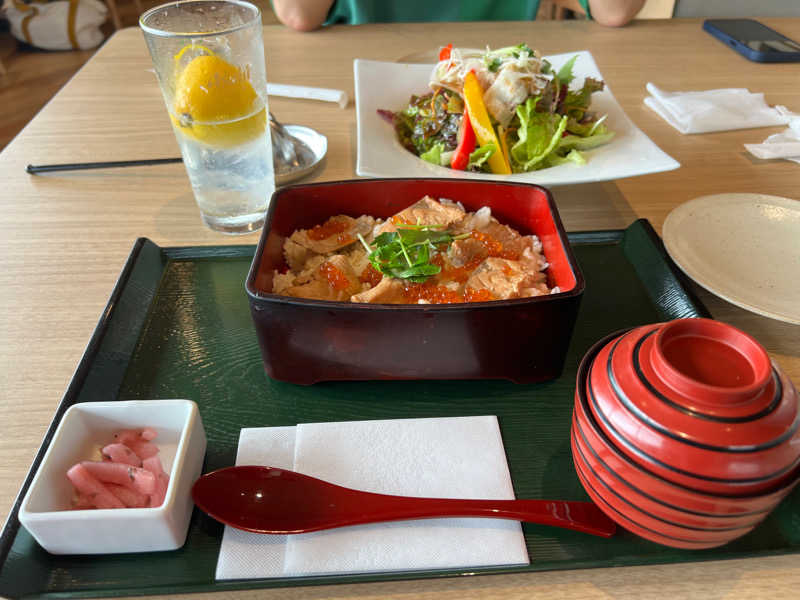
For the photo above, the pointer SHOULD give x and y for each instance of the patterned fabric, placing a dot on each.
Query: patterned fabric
(58, 25)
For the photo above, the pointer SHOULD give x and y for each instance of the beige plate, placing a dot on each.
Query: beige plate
(744, 248)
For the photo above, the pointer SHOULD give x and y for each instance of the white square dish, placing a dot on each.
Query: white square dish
(388, 86)
(46, 510)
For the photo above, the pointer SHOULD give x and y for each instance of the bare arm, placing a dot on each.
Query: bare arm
(614, 13)
(302, 15)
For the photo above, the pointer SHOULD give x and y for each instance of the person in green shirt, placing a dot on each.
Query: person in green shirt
(307, 15)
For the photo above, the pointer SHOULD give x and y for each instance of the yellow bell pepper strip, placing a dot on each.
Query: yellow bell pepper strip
(484, 132)
(466, 144)
(502, 135)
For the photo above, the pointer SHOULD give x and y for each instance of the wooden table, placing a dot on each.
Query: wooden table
(66, 236)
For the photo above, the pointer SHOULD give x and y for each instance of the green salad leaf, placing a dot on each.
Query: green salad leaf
(564, 74)
(538, 134)
(576, 103)
(434, 155)
(428, 120)
(479, 156)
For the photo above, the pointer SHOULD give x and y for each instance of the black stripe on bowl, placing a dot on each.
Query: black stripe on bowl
(647, 513)
(654, 425)
(776, 397)
(621, 518)
(623, 481)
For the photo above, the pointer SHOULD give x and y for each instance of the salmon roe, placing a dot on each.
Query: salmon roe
(439, 294)
(371, 276)
(494, 247)
(330, 228)
(398, 220)
(336, 278)
(461, 274)
(481, 295)
(431, 293)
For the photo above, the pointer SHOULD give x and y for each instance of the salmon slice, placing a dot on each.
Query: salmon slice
(333, 279)
(426, 211)
(388, 291)
(336, 233)
(506, 279)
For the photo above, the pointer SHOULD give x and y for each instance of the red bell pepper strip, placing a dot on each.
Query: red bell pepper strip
(466, 144)
(444, 53)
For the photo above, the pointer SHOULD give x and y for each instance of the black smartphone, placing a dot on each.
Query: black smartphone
(754, 40)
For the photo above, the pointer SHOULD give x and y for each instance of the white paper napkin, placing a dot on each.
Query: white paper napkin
(785, 144)
(458, 457)
(714, 110)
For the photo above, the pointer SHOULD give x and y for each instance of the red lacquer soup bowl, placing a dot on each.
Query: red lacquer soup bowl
(304, 341)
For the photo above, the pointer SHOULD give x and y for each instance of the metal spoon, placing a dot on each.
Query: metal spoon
(284, 145)
(277, 501)
(293, 157)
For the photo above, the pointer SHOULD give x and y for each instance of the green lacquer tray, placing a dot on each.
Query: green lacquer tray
(178, 326)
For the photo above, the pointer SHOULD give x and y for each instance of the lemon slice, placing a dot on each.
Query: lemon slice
(215, 103)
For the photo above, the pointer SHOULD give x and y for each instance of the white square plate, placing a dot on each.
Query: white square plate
(388, 86)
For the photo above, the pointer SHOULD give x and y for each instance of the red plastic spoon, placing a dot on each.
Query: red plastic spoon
(270, 500)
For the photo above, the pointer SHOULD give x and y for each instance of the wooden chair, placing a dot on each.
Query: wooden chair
(7, 47)
(657, 9)
(112, 8)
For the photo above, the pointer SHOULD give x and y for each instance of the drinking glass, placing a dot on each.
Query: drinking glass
(209, 61)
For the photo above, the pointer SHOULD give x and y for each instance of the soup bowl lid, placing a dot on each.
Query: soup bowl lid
(701, 396)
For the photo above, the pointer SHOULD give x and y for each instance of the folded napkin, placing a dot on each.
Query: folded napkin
(714, 110)
(461, 457)
(785, 144)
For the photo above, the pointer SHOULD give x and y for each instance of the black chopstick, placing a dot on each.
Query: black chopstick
(100, 165)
